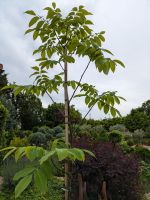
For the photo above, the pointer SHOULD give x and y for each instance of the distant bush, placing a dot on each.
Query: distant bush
(37, 139)
(115, 136)
(118, 127)
(143, 153)
(19, 142)
(58, 130)
(138, 136)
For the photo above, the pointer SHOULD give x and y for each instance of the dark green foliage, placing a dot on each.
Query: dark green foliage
(38, 139)
(55, 115)
(146, 107)
(48, 132)
(58, 130)
(115, 136)
(3, 118)
(145, 177)
(30, 111)
(143, 153)
(22, 133)
(3, 79)
(9, 169)
(137, 120)
(106, 123)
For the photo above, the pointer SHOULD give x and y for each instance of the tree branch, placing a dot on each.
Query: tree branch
(79, 81)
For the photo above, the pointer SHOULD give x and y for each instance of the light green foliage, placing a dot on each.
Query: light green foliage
(115, 136)
(19, 142)
(41, 172)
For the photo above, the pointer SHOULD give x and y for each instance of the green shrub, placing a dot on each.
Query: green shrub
(115, 136)
(147, 132)
(138, 136)
(38, 139)
(97, 132)
(145, 177)
(19, 142)
(58, 130)
(23, 134)
(143, 153)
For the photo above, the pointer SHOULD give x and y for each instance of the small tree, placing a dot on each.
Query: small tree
(62, 40)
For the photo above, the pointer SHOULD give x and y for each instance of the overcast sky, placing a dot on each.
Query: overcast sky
(127, 26)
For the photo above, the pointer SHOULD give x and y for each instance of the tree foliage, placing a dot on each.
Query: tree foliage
(55, 114)
(30, 111)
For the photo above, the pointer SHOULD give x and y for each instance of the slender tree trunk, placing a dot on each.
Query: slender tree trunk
(81, 191)
(66, 99)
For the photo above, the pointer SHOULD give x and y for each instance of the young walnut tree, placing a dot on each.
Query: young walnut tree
(63, 39)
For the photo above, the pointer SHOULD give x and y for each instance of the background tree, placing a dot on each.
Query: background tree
(55, 114)
(3, 78)
(137, 119)
(30, 111)
(146, 107)
(62, 40)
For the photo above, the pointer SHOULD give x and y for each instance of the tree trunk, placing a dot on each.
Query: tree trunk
(66, 99)
(81, 189)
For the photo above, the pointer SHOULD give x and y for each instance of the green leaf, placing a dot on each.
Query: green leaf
(54, 5)
(40, 24)
(30, 12)
(47, 156)
(19, 153)
(40, 180)
(22, 185)
(35, 35)
(22, 173)
(33, 21)
(77, 154)
(106, 108)
(62, 153)
(7, 148)
(89, 152)
(29, 31)
(119, 62)
(107, 51)
(9, 153)
(35, 68)
(113, 111)
(87, 100)
(69, 59)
